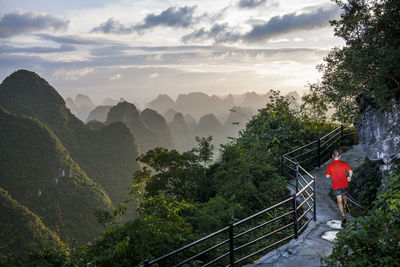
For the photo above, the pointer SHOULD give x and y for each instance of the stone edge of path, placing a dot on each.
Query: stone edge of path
(275, 254)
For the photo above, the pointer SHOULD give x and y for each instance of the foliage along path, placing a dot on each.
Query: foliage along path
(308, 249)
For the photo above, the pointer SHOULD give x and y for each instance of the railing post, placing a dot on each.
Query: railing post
(315, 200)
(341, 134)
(319, 153)
(146, 263)
(297, 178)
(231, 246)
(295, 215)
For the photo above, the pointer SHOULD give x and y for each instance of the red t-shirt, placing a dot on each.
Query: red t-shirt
(337, 170)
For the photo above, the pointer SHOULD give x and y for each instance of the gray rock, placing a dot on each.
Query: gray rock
(379, 131)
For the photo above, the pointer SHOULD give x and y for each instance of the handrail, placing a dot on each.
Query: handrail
(263, 224)
(308, 198)
(341, 128)
(264, 236)
(264, 249)
(330, 139)
(189, 245)
(306, 172)
(261, 212)
(203, 252)
(300, 148)
(305, 187)
(305, 153)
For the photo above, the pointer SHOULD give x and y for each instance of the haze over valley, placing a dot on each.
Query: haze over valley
(174, 124)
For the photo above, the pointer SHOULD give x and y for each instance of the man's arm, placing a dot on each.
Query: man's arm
(350, 175)
(328, 172)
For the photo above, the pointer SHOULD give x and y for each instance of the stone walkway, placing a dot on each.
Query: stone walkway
(308, 249)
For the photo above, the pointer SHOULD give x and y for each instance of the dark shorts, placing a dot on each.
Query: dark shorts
(341, 191)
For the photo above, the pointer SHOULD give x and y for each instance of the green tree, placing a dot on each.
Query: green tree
(183, 175)
(368, 65)
(313, 107)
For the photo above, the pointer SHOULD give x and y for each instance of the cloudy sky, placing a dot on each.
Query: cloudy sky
(141, 48)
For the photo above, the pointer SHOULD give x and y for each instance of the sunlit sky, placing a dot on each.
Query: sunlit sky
(139, 49)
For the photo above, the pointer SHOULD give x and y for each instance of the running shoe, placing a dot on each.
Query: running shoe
(344, 221)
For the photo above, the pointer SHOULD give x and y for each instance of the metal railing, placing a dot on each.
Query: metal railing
(310, 155)
(228, 241)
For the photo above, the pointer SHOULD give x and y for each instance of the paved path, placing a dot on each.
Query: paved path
(308, 249)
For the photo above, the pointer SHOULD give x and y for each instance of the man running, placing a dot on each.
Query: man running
(340, 181)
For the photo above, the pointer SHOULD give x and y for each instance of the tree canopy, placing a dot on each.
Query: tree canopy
(368, 65)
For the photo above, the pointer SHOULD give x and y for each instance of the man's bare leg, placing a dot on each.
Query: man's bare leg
(340, 204)
(345, 205)
(344, 196)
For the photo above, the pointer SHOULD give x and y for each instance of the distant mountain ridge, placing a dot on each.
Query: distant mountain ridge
(128, 113)
(184, 140)
(193, 106)
(99, 113)
(156, 122)
(81, 106)
(209, 125)
(198, 104)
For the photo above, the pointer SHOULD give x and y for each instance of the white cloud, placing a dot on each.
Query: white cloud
(298, 40)
(72, 74)
(154, 75)
(115, 77)
(278, 40)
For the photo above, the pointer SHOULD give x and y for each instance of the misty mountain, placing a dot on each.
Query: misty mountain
(99, 113)
(190, 122)
(254, 100)
(238, 117)
(107, 155)
(229, 100)
(198, 104)
(162, 103)
(71, 105)
(169, 115)
(81, 106)
(184, 140)
(39, 173)
(127, 113)
(210, 125)
(83, 100)
(155, 122)
(112, 102)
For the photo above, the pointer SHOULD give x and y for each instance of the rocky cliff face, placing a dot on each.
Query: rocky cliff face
(379, 132)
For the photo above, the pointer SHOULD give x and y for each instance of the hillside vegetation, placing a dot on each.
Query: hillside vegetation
(38, 172)
(21, 228)
(107, 155)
